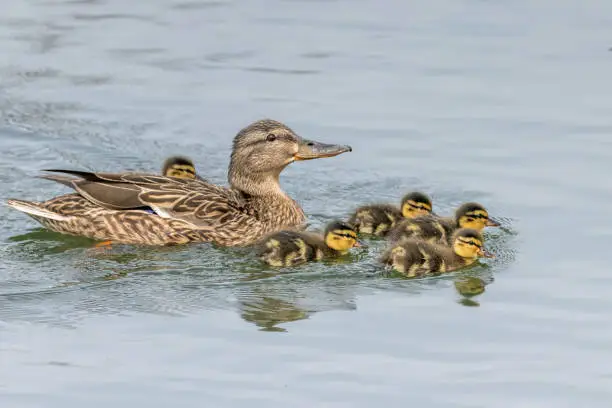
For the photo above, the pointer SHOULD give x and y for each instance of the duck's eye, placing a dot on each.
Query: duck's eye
(271, 137)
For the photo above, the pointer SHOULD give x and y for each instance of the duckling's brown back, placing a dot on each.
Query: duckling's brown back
(289, 248)
(450, 226)
(415, 257)
(376, 219)
(426, 227)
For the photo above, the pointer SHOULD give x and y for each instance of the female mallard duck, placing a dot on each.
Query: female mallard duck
(439, 230)
(137, 208)
(290, 248)
(179, 166)
(414, 257)
(379, 219)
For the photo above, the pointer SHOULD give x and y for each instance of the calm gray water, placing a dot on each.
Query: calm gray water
(506, 103)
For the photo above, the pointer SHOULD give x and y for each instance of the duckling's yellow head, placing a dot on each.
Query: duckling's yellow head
(341, 236)
(415, 204)
(469, 244)
(179, 166)
(474, 215)
(264, 148)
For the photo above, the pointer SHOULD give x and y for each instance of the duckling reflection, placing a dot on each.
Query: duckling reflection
(470, 286)
(439, 230)
(414, 257)
(291, 248)
(268, 312)
(379, 219)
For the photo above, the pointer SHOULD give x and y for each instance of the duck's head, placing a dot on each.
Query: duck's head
(264, 148)
(179, 166)
(475, 216)
(415, 204)
(341, 236)
(469, 244)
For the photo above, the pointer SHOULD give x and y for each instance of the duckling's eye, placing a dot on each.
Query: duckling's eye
(474, 244)
(271, 137)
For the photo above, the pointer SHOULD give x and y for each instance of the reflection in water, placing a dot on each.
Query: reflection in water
(267, 313)
(107, 85)
(468, 287)
(49, 241)
(174, 280)
(169, 280)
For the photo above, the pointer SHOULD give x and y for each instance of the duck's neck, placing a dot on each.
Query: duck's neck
(271, 204)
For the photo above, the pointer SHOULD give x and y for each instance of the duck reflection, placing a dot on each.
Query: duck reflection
(192, 279)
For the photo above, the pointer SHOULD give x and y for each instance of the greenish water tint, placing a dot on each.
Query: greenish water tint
(506, 104)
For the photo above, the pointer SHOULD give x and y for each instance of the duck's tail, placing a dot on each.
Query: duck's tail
(35, 210)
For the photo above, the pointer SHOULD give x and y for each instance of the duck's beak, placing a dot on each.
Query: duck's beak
(485, 254)
(492, 223)
(309, 150)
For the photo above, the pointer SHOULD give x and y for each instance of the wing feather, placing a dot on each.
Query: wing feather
(195, 201)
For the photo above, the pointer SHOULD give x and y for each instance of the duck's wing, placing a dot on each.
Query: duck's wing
(195, 201)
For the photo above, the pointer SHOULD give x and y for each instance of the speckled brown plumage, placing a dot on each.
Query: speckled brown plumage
(158, 210)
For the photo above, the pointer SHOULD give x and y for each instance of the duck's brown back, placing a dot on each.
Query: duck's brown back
(376, 219)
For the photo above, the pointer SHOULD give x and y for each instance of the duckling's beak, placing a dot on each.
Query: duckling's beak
(492, 223)
(359, 244)
(309, 150)
(485, 254)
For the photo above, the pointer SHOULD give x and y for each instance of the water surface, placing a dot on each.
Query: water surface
(505, 103)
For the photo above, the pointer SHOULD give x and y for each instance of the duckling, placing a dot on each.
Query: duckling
(379, 219)
(179, 166)
(291, 247)
(415, 257)
(439, 230)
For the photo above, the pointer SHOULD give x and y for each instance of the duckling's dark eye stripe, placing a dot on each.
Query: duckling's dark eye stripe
(345, 234)
(477, 216)
(185, 168)
(470, 242)
(419, 206)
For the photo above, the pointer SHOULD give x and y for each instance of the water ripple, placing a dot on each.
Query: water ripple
(434, 98)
